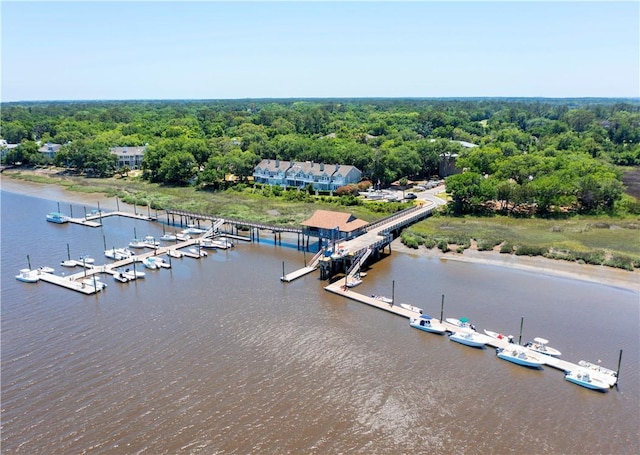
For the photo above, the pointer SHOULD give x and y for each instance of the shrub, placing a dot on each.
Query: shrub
(443, 246)
(591, 257)
(488, 244)
(621, 262)
(429, 243)
(530, 250)
(506, 248)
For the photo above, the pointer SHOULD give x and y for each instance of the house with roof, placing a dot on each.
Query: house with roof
(49, 150)
(129, 156)
(333, 226)
(6, 147)
(292, 174)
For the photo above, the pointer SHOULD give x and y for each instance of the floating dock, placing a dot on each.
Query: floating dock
(553, 362)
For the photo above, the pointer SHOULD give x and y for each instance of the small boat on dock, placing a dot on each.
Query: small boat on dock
(498, 335)
(151, 242)
(174, 253)
(193, 230)
(540, 345)
(28, 276)
(94, 283)
(68, 263)
(519, 356)
(133, 275)
(46, 269)
(182, 236)
(137, 243)
(428, 324)
(118, 254)
(197, 252)
(462, 324)
(150, 263)
(86, 259)
(167, 237)
(473, 339)
(121, 277)
(57, 217)
(161, 263)
(353, 282)
(605, 374)
(382, 298)
(584, 378)
(415, 309)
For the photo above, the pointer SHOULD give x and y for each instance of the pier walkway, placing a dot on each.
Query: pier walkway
(89, 220)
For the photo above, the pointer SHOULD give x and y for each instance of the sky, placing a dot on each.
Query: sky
(302, 49)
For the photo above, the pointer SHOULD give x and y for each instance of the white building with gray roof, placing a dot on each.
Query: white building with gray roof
(296, 174)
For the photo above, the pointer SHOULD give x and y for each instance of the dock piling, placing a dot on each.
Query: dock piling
(442, 309)
(393, 291)
(618, 370)
(521, 322)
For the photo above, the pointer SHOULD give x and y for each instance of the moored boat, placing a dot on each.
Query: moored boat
(150, 241)
(133, 274)
(198, 252)
(427, 324)
(86, 259)
(605, 374)
(121, 277)
(473, 339)
(137, 243)
(167, 237)
(174, 253)
(382, 298)
(462, 324)
(415, 309)
(57, 217)
(28, 276)
(540, 345)
(46, 269)
(150, 263)
(584, 378)
(68, 263)
(118, 254)
(353, 282)
(519, 356)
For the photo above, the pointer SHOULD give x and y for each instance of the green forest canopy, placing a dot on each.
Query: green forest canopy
(533, 155)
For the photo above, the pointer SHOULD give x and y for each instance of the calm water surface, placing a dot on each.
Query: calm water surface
(218, 356)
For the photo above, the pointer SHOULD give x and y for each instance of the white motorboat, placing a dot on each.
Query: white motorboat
(46, 269)
(192, 229)
(94, 282)
(121, 277)
(68, 263)
(605, 374)
(118, 254)
(427, 324)
(161, 263)
(462, 324)
(497, 335)
(519, 355)
(174, 253)
(150, 241)
(86, 259)
(540, 345)
(415, 309)
(473, 339)
(382, 298)
(133, 275)
(56, 217)
(584, 378)
(198, 252)
(353, 282)
(150, 263)
(137, 243)
(28, 276)
(168, 237)
(182, 236)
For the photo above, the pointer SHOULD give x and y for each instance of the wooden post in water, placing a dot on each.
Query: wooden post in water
(521, 322)
(104, 241)
(393, 291)
(117, 204)
(69, 253)
(304, 255)
(71, 210)
(29, 261)
(618, 371)
(134, 208)
(84, 266)
(95, 288)
(58, 207)
(85, 212)
(442, 309)
(283, 270)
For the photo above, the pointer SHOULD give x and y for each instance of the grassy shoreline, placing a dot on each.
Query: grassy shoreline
(600, 240)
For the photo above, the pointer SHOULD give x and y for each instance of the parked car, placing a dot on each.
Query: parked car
(419, 188)
(410, 196)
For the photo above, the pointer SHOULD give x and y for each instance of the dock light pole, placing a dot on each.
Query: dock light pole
(521, 322)
(442, 308)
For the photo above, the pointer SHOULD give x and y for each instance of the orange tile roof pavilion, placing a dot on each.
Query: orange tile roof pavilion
(328, 220)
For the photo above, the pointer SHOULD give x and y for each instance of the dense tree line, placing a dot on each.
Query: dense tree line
(533, 155)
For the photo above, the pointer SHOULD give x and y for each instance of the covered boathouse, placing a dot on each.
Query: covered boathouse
(332, 226)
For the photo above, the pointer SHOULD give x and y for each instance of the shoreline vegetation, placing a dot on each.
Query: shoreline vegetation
(622, 233)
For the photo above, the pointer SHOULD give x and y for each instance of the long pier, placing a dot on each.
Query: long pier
(553, 362)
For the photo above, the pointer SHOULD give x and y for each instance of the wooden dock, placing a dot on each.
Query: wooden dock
(90, 220)
(553, 362)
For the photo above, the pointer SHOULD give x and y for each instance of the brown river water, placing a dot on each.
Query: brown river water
(218, 356)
